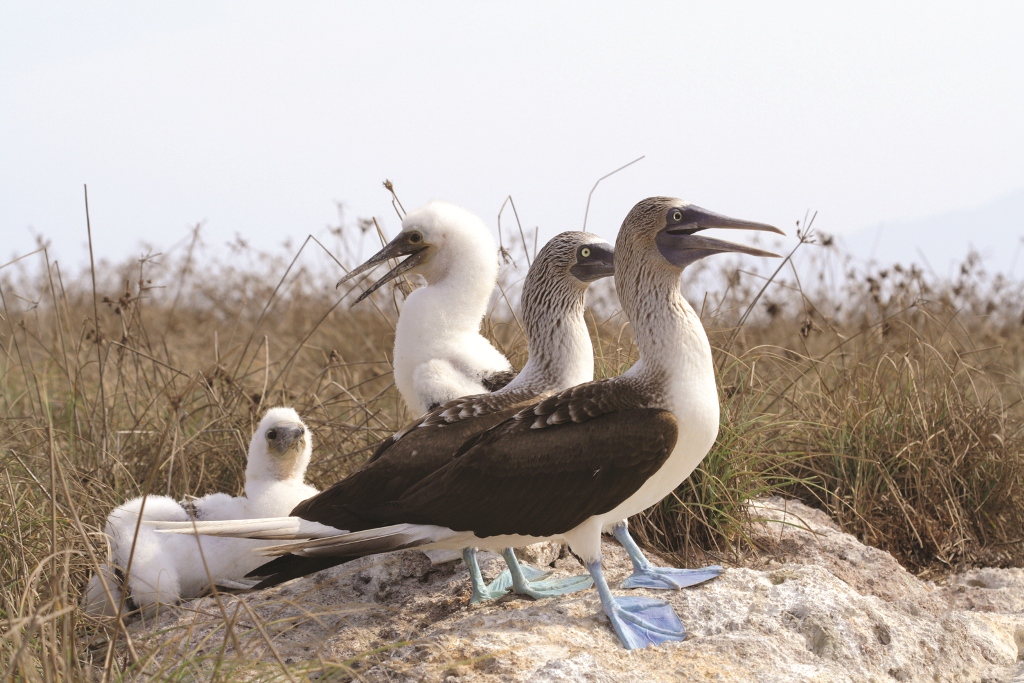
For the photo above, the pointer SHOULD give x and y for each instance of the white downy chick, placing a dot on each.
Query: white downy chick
(167, 568)
(439, 351)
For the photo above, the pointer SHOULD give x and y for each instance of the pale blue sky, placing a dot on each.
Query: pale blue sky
(255, 117)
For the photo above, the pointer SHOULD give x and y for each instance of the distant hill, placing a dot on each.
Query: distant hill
(995, 230)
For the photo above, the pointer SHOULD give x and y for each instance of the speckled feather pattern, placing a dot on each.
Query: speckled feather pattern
(585, 401)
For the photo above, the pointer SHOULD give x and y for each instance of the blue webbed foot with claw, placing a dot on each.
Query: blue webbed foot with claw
(528, 581)
(483, 592)
(669, 578)
(504, 581)
(646, 575)
(638, 622)
(522, 579)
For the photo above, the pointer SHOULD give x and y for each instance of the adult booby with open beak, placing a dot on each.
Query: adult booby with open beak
(580, 461)
(560, 356)
(439, 351)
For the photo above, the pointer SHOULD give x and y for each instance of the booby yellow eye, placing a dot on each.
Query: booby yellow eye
(585, 252)
(677, 215)
(415, 238)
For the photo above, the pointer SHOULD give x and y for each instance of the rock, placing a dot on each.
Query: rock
(820, 607)
(986, 590)
(541, 554)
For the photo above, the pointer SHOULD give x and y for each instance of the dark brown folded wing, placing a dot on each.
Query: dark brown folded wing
(549, 468)
(404, 459)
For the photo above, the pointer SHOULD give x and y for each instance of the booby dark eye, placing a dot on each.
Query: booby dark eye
(272, 434)
(677, 216)
(585, 252)
(415, 238)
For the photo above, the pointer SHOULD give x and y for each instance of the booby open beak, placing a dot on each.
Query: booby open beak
(405, 243)
(681, 247)
(593, 262)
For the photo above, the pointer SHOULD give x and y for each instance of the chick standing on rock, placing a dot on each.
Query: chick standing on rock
(165, 568)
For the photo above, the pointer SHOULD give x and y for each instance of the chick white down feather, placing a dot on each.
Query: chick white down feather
(439, 351)
(166, 568)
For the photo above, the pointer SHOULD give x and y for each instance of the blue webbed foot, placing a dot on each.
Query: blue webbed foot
(549, 588)
(481, 591)
(484, 593)
(646, 575)
(528, 581)
(504, 581)
(669, 578)
(638, 622)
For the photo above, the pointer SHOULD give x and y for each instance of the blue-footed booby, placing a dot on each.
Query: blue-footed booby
(439, 351)
(165, 569)
(580, 461)
(560, 356)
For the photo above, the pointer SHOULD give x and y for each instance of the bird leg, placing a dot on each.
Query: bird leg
(528, 581)
(481, 591)
(646, 575)
(638, 622)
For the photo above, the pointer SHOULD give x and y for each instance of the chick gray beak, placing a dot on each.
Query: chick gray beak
(402, 245)
(681, 247)
(283, 437)
(599, 262)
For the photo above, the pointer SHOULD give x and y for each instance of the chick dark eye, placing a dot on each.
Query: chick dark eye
(415, 238)
(677, 216)
(585, 252)
(272, 434)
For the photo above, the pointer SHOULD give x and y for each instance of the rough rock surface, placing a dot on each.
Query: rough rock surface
(824, 607)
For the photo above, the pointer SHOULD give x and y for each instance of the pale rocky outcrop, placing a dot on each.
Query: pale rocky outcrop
(820, 607)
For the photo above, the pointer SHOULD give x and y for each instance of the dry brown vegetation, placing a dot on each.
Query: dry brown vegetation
(889, 398)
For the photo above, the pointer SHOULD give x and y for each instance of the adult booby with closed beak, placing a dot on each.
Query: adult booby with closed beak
(560, 356)
(439, 351)
(580, 461)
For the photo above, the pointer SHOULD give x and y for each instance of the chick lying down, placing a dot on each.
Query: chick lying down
(165, 568)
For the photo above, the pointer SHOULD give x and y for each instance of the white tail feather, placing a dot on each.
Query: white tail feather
(267, 528)
(369, 542)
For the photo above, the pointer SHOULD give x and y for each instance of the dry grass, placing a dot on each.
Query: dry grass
(889, 399)
(892, 401)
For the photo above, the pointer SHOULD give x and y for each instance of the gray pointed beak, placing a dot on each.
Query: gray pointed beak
(679, 244)
(599, 262)
(400, 246)
(283, 437)
(695, 219)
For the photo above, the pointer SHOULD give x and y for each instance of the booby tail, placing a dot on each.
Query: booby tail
(362, 543)
(266, 528)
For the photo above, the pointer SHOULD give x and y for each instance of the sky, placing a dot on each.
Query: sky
(255, 118)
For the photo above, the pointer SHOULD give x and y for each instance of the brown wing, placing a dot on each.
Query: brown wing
(549, 468)
(404, 459)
